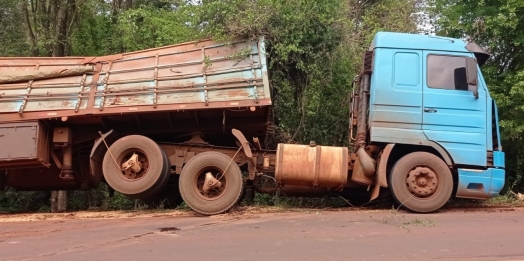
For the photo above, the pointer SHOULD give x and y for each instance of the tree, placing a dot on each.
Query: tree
(315, 48)
(48, 25)
(12, 38)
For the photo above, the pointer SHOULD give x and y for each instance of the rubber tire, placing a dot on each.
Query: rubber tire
(168, 198)
(232, 193)
(152, 183)
(159, 193)
(400, 192)
(159, 187)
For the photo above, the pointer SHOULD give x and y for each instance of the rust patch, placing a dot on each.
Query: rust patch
(116, 101)
(230, 80)
(233, 93)
(134, 100)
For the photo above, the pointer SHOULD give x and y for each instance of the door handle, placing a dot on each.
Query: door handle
(430, 110)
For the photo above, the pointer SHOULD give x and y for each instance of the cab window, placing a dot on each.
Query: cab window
(447, 72)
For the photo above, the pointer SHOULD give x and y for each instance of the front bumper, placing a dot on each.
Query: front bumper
(480, 184)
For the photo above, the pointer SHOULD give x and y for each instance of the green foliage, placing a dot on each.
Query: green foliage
(102, 30)
(150, 27)
(314, 48)
(22, 201)
(38, 201)
(301, 202)
(96, 33)
(120, 202)
(12, 37)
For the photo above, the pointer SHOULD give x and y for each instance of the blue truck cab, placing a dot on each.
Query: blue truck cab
(428, 91)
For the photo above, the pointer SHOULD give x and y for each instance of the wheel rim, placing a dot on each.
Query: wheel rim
(422, 182)
(130, 174)
(215, 191)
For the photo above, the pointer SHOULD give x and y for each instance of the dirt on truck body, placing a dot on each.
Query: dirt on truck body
(190, 122)
(59, 115)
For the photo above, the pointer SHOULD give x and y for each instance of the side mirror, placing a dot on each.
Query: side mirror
(472, 75)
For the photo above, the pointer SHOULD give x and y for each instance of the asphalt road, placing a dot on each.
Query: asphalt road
(488, 234)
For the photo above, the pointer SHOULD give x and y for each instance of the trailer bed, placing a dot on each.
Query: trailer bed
(189, 76)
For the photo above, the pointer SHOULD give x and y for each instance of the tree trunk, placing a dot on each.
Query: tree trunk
(48, 24)
(54, 201)
(29, 27)
(62, 201)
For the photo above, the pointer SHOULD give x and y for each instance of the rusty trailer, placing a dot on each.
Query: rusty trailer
(58, 116)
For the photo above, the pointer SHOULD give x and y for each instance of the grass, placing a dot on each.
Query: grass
(505, 200)
(263, 203)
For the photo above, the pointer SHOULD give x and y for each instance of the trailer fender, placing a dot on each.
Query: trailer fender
(243, 142)
(97, 156)
(252, 162)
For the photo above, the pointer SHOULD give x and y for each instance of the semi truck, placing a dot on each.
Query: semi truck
(191, 122)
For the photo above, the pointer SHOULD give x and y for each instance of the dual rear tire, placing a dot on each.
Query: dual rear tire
(154, 184)
(155, 168)
(218, 199)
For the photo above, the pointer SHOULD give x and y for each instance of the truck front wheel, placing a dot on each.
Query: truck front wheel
(421, 182)
(136, 166)
(211, 183)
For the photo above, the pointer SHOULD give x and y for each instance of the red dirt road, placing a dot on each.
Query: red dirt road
(485, 234)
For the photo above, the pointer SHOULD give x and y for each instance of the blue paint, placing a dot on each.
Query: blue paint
(498, 159)
(480, 184)
(489, 131)
(496, 120)
(497, 181)
(406, 68)
(459, 123)
(402, 100)
(417, 42)
(397, 135)
(396, 90)
(408, 106)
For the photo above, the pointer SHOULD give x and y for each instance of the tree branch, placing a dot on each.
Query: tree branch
(29, 27)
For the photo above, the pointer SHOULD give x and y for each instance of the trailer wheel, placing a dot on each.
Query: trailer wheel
(206, 188)
(141, 168)
(169, 197)
(421, 182)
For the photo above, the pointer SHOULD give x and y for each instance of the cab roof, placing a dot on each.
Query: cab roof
(417, 41)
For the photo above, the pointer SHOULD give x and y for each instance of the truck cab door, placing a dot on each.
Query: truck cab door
(454, 110)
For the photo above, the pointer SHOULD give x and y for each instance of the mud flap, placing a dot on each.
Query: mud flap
(97, 156)
(358, 175)
(380, 178)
